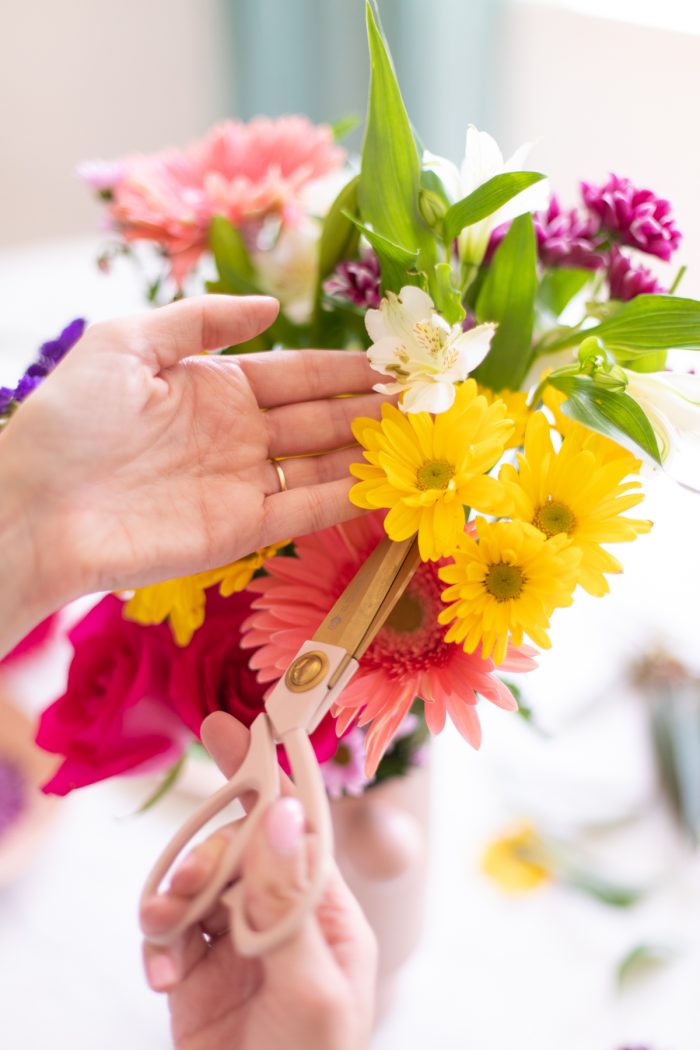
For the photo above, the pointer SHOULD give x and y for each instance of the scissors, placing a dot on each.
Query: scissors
(313, 680)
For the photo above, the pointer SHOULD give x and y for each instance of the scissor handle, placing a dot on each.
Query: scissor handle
(259, 772)
(312, 794)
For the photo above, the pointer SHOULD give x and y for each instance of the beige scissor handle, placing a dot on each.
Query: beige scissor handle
(259, 772)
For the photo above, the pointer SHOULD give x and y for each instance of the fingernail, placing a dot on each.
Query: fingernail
(284, 825)
(162, 974)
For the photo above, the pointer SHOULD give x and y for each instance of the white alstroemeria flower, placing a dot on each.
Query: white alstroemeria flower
(424, 355)
(671, 400)
(482, 160)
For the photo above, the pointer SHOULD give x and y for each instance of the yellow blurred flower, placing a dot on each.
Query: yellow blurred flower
(183, 601)
(425, 469)
(516, 409)
(579, 492)
(504, 585)
(517, 861)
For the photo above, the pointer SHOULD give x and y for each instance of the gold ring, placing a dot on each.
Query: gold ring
(280, 475)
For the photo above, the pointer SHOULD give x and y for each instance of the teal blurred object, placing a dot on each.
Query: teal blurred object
(310, 56)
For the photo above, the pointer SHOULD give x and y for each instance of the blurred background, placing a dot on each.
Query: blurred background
(597, 86)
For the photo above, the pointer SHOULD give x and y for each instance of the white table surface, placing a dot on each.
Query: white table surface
(492, 972)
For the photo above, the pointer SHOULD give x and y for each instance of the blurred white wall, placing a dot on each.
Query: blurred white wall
(597, 94)
(96, 78)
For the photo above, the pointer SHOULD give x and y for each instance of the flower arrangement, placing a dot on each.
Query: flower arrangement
(525, 347)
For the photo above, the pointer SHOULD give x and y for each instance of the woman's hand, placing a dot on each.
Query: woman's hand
(139, 459)
(315, 992)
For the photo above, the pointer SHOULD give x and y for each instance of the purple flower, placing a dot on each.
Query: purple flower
(50, 354)
(565, 237)
(626, 281)
(344, 772)
(637, 217)
(356, 281)
(13, 794)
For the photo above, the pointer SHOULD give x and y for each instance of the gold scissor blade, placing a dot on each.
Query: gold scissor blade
(368, 599)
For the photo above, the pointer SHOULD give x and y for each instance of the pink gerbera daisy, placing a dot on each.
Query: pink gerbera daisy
(408, 660)
(244, 172)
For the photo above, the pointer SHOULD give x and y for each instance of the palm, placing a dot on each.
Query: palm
(155, 459)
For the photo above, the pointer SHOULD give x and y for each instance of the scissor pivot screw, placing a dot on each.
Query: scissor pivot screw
(306, 671)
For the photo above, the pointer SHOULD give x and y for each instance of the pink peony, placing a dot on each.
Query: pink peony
(244, 172)
(212, 673)
(637, 217)
(409, 658)
(113, 716)
(626, 280)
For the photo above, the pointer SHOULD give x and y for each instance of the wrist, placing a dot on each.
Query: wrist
(36, 579)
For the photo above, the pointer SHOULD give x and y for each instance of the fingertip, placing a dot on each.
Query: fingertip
(160, 968)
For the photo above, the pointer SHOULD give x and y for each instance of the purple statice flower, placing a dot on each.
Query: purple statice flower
(356, 281)
(13, 794)
(344, 773)
(566, 237)
(627, 281)
(636, 217)
(50, 354)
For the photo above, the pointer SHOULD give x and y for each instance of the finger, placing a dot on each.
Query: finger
(300, 511)
(226, 740)
(280, 377)
(205, 322)
(304, 471)
(317, 426)
(275, 877)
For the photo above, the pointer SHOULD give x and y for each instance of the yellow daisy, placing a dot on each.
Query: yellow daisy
(516, 409)
(505, 584)
(425, 469)
(517, 861)
(182, 601)
(579, 492)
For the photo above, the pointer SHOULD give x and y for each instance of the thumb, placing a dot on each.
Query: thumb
(275, 871)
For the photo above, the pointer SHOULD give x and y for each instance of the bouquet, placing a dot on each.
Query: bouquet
(526, 345)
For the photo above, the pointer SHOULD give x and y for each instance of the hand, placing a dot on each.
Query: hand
(139, 461)
(315, 992)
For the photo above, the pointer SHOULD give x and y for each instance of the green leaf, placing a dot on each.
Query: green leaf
(609, 412)
(558, 288)
(508, 297)
(445, 296)
(231, 256)
(644, 325)
(344, 126)
(486, 199)
(339, 235)
(610, 893)
(390, 173)
(397, 264)
(166, 784)
(643, 961)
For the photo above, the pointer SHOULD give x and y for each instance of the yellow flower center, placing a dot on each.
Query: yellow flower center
(504, 581)
(552, 518)
(435, 475)
(407, 614)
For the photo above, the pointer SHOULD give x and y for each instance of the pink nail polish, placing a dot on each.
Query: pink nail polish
(162, 974)
(284, 825)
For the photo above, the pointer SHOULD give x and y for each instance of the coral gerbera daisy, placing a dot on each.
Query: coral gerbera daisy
(579, 491)
(424, 470)
(504, 585)
(408, 659)
(182, 601)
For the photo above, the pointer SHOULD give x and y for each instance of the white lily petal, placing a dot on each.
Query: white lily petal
(447, 172)
(388, 388)
(428, 397)
(672, 403)
(474, 345)
(482, 159)
(397, 314)
(383, 353)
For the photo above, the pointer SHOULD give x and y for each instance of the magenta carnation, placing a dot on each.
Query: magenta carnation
(566, 237)
(636, 217)
(626, 281)
(356, 281)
